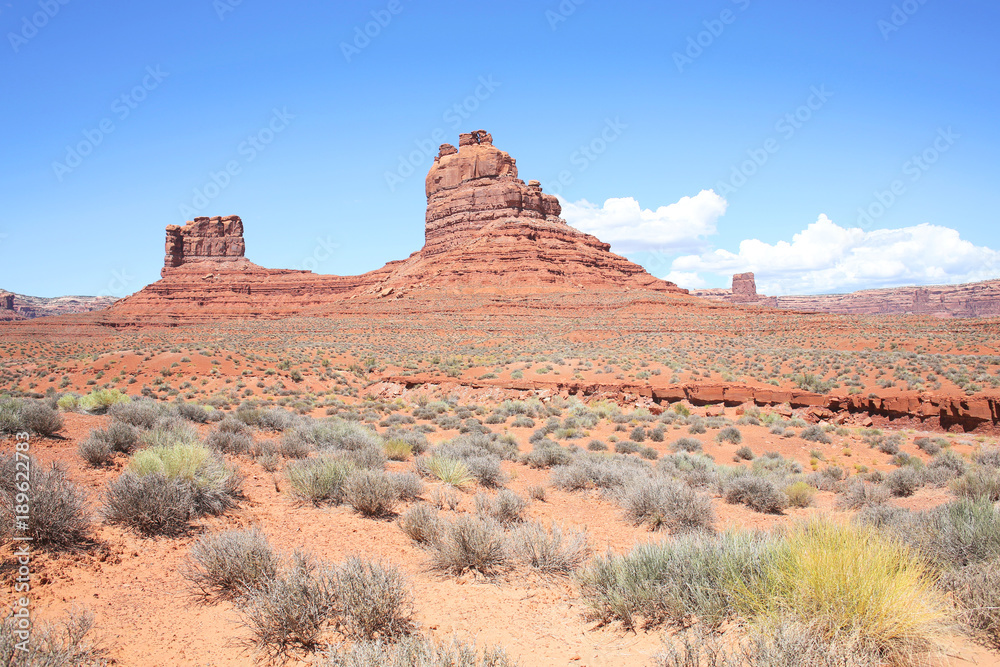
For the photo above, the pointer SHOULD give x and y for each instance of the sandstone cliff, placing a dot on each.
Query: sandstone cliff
(15, 307)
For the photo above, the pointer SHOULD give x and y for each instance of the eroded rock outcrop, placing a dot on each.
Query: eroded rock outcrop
(7, 311)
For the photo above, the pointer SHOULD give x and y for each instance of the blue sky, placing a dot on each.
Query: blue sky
(648, 112)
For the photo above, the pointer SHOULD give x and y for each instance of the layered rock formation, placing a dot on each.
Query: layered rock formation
(7, 312)
(486, 232)
(980, 299)
(216, 240)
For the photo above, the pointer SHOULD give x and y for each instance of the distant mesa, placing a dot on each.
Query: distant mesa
(981, 299)
(17, 307)
(486, 232)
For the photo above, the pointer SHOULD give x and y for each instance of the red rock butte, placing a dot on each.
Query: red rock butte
(487, 232)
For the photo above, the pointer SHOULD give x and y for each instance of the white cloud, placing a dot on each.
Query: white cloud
(682, 226)
(826, 257)
(686, 279)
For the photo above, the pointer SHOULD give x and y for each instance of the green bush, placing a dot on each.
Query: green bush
(100, 401)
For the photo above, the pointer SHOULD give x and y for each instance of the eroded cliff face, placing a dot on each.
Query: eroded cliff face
(486, 232)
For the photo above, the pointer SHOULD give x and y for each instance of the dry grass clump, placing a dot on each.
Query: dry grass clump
(848, 583)
(758, 493)
(472, 543)
(421, 523)
(320, 480)
(372, 493)
(552, 550)
(506, 507)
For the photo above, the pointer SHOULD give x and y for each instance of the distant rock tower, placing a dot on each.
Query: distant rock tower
(744, 288)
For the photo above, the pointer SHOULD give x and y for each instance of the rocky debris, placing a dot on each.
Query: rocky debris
(487, 232)
(980, 414)
(980, 299)
(217, 239)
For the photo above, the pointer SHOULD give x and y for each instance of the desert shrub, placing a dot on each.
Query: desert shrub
(230, 563)
(729, 434)
(320, 480)
(421, 523)
(988, 456)
(60, 643)
(745, 453)
(398, 450)
(800, 494)
(815, 433)
(597, 446)
(689, 445)
(859, 493)
(953, 535)
(194, 412)
(978, 482)
(227, 442)
(638, 434)
(649, 453)
(903, 481)
(506, 507)
(787, 644)
(523, 421)
(976, 588)
(142, 413)
(371, 493)
(408, 485)
(59, 516)
(848, 581)
(150, 504)
(230, 424)
(100, 401)
(672, 581)
(927, 445)
(411, 651)
(448, 470)
(551, 551)
(67, 402)
(626, 447)
(213, 484)
(414, 438)
(472, 543)
(293, 448)
(693, 469)
(266, 419)
(603, 472)
(949, 463)
(758, 493)
(664, 503)
(11, 421)
(373, 598)
(40, 419)
(291, 611)
(95, 451)
(537, 492)
(546, 454)
(168, 432)
(698, 427)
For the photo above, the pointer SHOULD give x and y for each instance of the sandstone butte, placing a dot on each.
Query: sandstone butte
(486, 232)
(981, 299)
